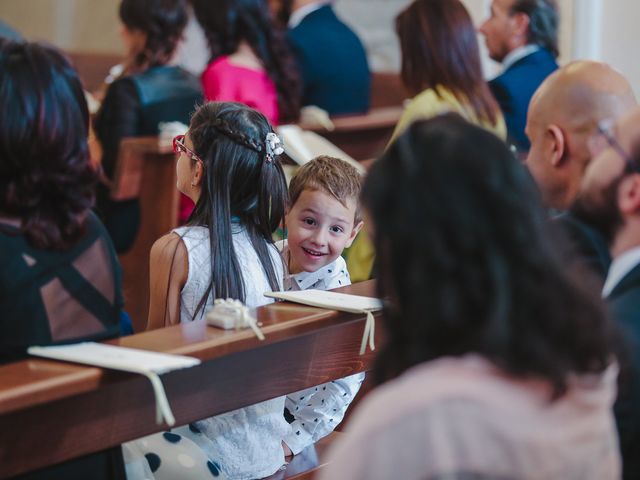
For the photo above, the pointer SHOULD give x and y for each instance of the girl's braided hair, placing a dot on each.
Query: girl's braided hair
(237, 136)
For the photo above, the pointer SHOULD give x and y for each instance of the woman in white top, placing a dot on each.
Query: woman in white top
(498, 362)
(228, 165)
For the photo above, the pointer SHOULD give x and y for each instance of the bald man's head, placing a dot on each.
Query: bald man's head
(563, 115)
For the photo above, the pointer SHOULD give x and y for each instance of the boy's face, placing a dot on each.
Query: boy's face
(319, 228)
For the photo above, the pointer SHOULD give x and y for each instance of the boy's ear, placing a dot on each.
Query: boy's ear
(354, 233)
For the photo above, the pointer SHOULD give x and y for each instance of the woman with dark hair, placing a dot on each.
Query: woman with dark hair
(498, 362)
(150, 91)
(441, 65)
(60, 278)
(228, 165)
(251, 61)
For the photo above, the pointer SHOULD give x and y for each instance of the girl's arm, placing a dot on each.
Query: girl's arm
(168, 271)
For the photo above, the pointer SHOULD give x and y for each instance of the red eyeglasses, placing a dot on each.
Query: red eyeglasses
(180, 147)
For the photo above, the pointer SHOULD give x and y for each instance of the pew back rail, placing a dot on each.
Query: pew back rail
(76, 410)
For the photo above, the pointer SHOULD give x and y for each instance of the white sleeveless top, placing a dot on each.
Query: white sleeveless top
(248, 441)
(196, 239)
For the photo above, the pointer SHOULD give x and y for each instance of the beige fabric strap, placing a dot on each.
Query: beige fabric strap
(368, 334)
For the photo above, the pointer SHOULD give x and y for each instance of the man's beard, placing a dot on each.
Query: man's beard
(602, 213)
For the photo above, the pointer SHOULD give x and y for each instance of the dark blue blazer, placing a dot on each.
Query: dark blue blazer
(332, 62)
(588, 246)
(514, 88)
(624, 301)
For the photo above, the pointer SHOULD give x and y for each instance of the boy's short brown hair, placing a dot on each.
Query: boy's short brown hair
(334, 176)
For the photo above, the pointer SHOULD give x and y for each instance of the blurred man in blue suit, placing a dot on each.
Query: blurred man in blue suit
(331, 58)
(523, 36)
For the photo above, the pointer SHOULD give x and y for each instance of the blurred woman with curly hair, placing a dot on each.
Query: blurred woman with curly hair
(149, 91)
(60, 278)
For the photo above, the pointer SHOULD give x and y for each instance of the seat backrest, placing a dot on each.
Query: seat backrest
(362, 136)
(147, 172)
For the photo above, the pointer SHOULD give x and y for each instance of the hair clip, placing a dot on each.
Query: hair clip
(274, 147)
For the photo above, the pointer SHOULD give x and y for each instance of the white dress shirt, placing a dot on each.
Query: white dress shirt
(297, 16)
(517, 54)
(619, 268)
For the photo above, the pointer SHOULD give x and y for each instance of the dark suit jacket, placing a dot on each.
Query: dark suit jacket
(514, 88)
(332, 62)
(588, 247)
(624, 302)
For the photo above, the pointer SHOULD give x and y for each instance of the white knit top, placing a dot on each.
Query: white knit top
(247, 441)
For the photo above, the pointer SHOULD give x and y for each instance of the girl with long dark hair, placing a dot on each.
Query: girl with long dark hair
(251, 61)
(498, 362)
(238, 188)
(228, 165)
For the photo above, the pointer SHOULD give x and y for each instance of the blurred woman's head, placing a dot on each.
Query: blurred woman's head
(46, 180)
(152, 30)
(228, 23)
(439, 47)
(468, 264)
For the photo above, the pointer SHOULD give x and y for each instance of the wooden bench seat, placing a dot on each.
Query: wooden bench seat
(93, 67)
(361, 136)
(76, 410)
(147, 172)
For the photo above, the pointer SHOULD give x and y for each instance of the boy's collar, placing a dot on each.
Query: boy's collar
(305, 280)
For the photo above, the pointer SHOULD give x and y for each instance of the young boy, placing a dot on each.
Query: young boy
(322, 220)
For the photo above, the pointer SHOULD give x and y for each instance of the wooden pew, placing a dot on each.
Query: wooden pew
(387, 90)
(76, 410)
(361, 136)
(147, 172)
(365, 136)
(93, 67)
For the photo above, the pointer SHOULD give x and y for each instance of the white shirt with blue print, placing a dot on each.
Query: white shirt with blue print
(318, 410)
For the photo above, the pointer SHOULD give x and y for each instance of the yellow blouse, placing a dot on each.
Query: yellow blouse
(427, 104)
(435, 101)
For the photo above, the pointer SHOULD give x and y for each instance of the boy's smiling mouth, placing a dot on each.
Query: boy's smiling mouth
(313, 253)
